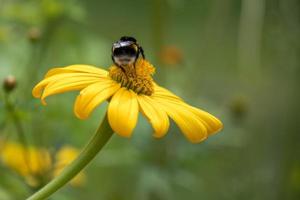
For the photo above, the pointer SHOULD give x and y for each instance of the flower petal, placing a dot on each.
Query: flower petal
(186, 120)
(155, 114)
(92, 96)
(74, 77)
(212, 124)
(161, 92)
(77, 69)
(123, 112)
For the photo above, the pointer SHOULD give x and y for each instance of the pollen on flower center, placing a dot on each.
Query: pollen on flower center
(136, 77)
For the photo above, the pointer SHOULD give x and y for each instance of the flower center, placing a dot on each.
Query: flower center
(136, 77)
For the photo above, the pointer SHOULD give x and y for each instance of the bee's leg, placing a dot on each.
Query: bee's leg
(142, 51)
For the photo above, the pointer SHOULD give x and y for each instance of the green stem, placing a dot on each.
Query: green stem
(100, 138)
(11, 109)
(16, 119)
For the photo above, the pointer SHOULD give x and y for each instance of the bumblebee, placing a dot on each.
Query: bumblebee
(126, 51)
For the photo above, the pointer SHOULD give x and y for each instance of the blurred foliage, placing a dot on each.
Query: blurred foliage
(238, 59)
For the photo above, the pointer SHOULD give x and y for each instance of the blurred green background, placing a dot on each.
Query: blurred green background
(237, 59)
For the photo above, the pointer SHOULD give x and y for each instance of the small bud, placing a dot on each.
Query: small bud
(239, 107)
(9, 83)
(34, 34)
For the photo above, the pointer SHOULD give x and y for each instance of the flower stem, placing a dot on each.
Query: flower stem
(11, 109)
(100, 138)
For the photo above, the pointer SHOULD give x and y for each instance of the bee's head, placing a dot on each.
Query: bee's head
(125, 51)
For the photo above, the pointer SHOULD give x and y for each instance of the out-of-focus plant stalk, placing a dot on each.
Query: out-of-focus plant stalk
(250, 35)
(157, 34)
(11, 109)
(40, 41)
(16, 120)
(100, 138)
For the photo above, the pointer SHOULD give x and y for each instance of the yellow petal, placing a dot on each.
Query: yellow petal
(161, 92)
(25, 160)
(212, 124)
(62, 83)
(123, 112)
(186, 120)
(155, 114)
(12, 156)
(39, 159)
(74, 77)
(77, 69)
(93, 95)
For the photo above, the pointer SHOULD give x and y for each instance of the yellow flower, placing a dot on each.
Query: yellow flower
(30, 163)
(64, 157)
(129, 90)
(35, 164)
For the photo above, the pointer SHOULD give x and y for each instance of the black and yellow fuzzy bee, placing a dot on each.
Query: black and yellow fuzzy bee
(126, 51)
